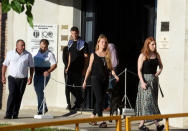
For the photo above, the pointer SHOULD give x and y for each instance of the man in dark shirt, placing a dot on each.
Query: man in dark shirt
(65, 56)
(76, 68)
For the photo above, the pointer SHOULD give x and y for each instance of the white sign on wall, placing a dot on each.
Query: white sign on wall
(164, 42)
(41, 31)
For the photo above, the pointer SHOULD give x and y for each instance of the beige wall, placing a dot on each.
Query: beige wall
(185, 91)
(174, 75)
(44, 12)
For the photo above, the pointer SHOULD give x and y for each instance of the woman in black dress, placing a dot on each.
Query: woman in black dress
(147, 96)
(100, 67)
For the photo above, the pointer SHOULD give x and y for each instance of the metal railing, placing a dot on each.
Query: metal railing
(32, 126)
(152, 117)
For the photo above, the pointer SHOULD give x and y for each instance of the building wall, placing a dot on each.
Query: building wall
(172, 46)
(185, 91)
(44, 12)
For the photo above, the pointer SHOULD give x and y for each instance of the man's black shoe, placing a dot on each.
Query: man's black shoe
(68, 107)
(7, 117)
(75, 107)
(40, 113)
(15, 117)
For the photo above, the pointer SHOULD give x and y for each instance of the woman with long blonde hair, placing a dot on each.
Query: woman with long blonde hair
(148, 72)
(100, 67)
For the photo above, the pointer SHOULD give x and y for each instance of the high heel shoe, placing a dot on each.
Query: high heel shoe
(160, 127)
(103, 125)
(143, 128)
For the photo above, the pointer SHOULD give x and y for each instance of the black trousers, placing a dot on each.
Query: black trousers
(16, 90)
(75, 80)
(99, 86)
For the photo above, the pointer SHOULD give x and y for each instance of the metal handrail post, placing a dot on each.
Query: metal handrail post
(76, 127)
(128, 124)
(167, 124)
(119, 126)
(125, 87)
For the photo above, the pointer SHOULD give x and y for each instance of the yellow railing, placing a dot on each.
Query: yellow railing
(152, 117)
(32, 126)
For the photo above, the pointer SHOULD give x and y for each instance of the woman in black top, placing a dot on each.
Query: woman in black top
(147, 96)
(100, 67)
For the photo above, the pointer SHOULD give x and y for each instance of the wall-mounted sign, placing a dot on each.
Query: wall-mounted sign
(64, 34)
(163, 43)
(64, 27)
(165, 26)
(41, 31)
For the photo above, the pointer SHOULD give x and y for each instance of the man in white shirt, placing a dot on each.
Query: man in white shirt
(45, 63)
(17, 61)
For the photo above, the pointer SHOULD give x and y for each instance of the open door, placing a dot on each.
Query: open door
(126, 24)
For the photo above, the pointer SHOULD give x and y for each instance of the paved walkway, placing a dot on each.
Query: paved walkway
(26, 116)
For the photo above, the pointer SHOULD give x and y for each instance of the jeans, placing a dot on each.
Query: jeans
(39, 89)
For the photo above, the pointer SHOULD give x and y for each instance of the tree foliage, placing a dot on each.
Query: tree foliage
(19, 6)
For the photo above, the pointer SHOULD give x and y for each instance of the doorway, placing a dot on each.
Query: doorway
(126, 24)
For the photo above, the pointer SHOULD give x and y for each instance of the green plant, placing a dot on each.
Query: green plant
(3, 124)
(19, 6)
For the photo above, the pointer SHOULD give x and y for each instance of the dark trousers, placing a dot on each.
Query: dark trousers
(16, 90)
(75, 80)
(112, 85)
(99, 85)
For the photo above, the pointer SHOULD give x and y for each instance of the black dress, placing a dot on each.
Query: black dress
(99, 81)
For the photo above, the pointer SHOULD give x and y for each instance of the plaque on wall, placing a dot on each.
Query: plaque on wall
(163, 43)
(165, 26)
(64, 34)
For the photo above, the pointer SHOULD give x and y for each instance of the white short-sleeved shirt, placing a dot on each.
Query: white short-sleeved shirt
(46, 59)
(18, 64)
